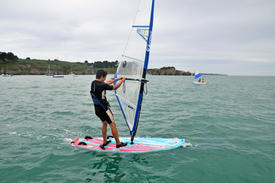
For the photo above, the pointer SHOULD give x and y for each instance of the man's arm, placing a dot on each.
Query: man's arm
(112, 81)
(119, 83)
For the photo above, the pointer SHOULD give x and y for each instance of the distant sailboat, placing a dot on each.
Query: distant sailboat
(50, 74)
(199, 79)
(6, 72)
(6, 75)
(49, 71)
(72, 73)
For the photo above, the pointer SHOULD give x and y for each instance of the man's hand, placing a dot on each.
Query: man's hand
(117, 79)
(113, 80)
(119, 83)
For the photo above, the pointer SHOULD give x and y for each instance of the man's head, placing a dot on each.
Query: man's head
(101, 75)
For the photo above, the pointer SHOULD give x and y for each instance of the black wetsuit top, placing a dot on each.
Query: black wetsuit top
(99, 90)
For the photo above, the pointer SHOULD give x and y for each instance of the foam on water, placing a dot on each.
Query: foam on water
(68, 140)
(187, 144)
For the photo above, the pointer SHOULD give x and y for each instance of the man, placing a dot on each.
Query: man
(102, 107)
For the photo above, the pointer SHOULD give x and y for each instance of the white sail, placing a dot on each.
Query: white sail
(134, 65)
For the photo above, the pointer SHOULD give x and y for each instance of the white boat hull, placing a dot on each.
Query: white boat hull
(199, 83)
(58, 76)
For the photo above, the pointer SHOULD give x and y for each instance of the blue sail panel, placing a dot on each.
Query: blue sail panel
(198, 75)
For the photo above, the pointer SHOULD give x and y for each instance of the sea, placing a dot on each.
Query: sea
(229, 125)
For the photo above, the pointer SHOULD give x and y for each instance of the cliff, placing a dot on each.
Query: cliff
(168, 71)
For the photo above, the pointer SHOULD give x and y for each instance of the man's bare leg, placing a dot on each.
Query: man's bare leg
(115, 132)
(104, 131)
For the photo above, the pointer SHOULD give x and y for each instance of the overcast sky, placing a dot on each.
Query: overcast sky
(218, 36)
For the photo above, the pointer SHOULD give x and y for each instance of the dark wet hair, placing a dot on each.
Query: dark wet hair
(100, 73)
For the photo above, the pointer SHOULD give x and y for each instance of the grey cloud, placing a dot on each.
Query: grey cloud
(209, 36)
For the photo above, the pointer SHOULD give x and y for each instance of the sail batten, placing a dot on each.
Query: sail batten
(134, 65)
(136, 59)
(128, 101)
(143, 26)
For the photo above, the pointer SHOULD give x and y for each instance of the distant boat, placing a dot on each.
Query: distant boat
(6, 72)
(58, 76)
(72, 74)
(6, 75)
(49, 71)
(199, 79)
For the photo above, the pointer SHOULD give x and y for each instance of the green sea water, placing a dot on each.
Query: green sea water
(230, 123)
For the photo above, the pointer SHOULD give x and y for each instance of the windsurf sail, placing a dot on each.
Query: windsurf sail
(134, 65)
(198, 75)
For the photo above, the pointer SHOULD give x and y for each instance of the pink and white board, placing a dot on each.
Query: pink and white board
(140, 145)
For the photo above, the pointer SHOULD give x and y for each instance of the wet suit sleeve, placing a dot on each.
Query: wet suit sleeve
(108, 87)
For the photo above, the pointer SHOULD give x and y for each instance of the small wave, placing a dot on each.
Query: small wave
(69, 113)
(69, 140)
(12, 133)
(187, 144)
(66, 130)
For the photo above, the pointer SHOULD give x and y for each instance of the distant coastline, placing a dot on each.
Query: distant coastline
(11, 64)
(213, 74)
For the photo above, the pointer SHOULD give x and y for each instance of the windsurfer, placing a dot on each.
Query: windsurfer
(102, 107)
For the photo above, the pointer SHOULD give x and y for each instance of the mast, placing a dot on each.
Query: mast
(147, 55)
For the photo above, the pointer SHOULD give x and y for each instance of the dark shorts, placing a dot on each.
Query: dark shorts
(104, 115)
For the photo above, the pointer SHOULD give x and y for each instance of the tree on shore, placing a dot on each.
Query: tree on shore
(8, 57)
(105, 64)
